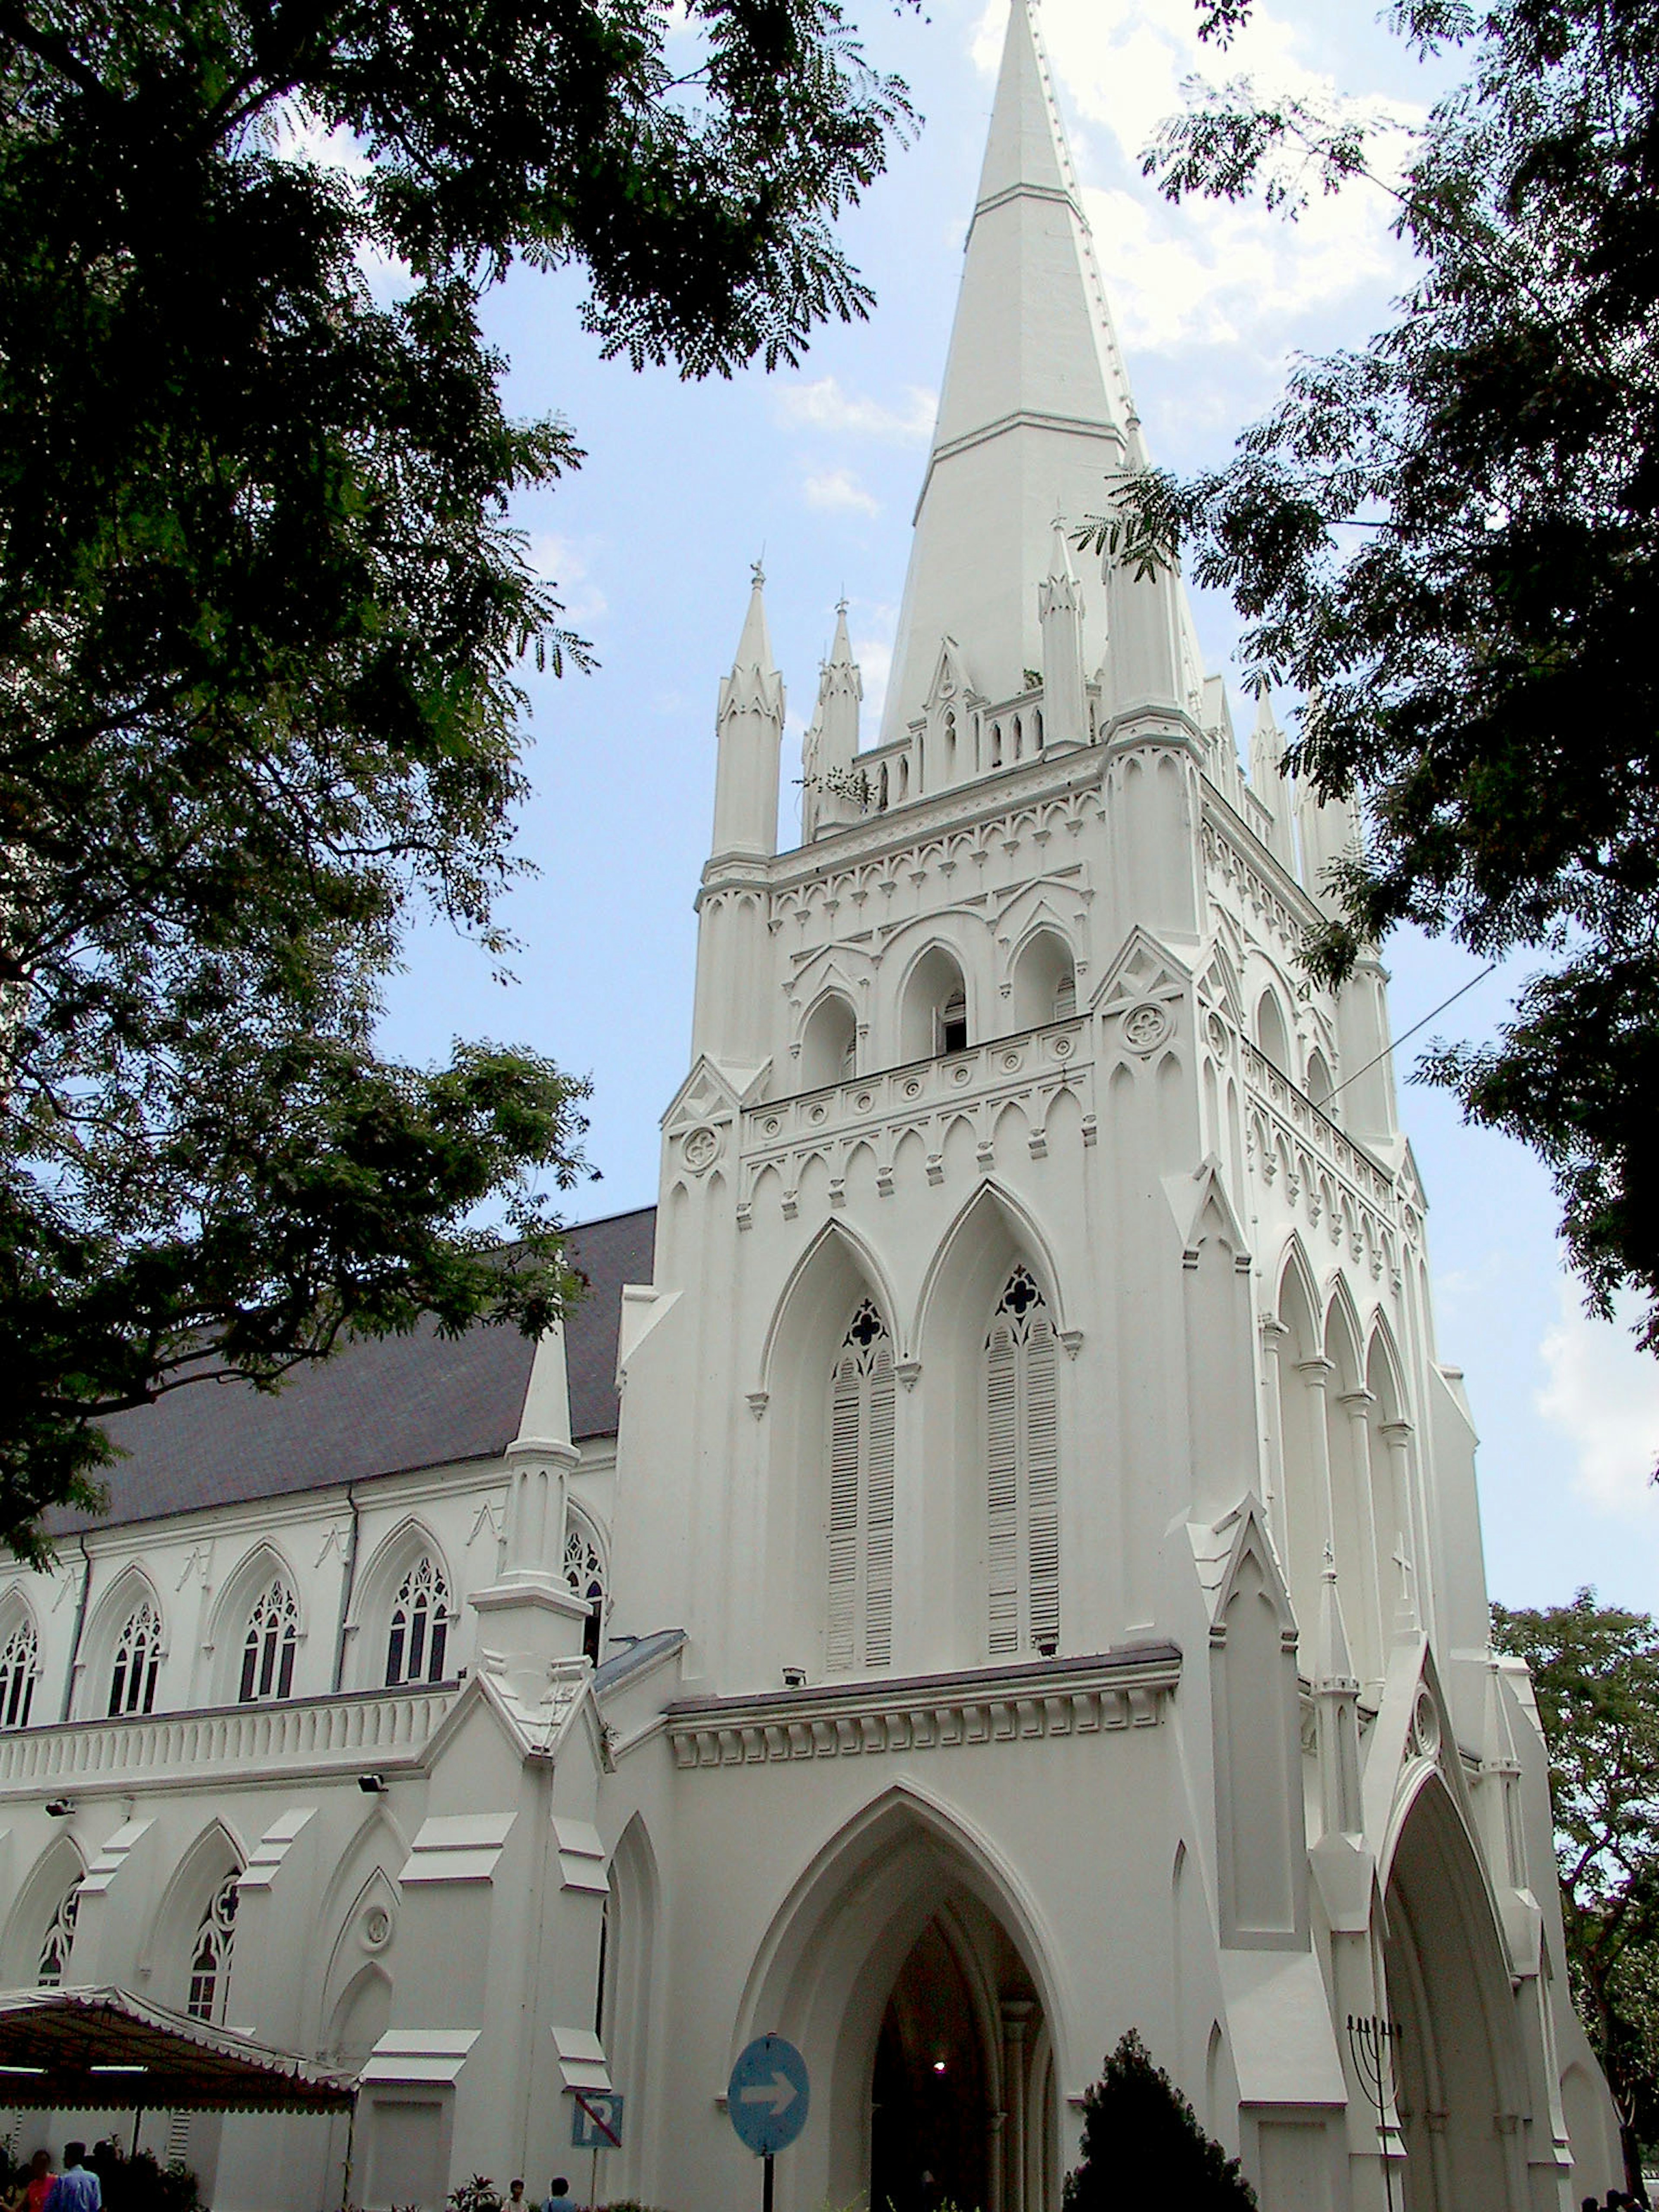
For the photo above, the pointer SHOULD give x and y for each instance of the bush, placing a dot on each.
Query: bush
(1142, 2145)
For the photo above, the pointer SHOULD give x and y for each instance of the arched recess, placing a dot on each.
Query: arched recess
(1459, 2079)
(254, 1578)
(20, 1661)
(1348, 1411)
(1393, 1487)
(908, 1902)
(405, 1615)
(835, 1287)
(1043, 981)
(1260, 1844)
(627, 1994)
(932, 1006)
(1297, 1344)
(1319, 1085)
(990, 1333)
(359, 2018)
(196, 1917)
(1272, 1036)
(121, 1653)
(828, 1041)
(55, 1877)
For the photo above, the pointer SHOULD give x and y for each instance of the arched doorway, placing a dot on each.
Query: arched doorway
(930, 2103)
(1458, 2069)
(908, 1975)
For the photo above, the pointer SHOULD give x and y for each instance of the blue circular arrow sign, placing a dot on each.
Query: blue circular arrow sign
(768, 2097)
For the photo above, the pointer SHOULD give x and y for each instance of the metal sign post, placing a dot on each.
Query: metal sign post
(595, 2124)
(767, 2101)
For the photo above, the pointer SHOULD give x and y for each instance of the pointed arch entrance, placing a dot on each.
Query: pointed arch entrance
(1458, 2072)
(908, 1971)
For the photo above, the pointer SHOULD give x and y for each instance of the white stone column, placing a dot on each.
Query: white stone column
(1358, 1405)
(1016, 2019)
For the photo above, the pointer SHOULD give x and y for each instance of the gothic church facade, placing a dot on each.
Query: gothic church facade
(994, 1562)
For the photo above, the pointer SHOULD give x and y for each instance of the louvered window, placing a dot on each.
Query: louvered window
(1022, 1473)
(861, 1624)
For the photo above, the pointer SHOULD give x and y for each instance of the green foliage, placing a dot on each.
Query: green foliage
(1447, 542)
(141, 2183)
(478, 2195)
(1596, 1675)
(1142, 2145)
(263, 613)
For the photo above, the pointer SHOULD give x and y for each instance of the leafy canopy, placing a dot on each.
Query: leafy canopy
(1446, 542)
(263, 613)
(1596, 1675)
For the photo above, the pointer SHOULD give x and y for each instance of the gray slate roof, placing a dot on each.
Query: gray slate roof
(381, 1406)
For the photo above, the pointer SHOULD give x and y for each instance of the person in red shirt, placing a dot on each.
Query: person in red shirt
(32, 2198)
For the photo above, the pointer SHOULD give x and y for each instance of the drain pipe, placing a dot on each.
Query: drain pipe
(80, 1625)
(347, 1578)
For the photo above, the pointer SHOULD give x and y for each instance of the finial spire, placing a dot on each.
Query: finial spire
(1035, 407)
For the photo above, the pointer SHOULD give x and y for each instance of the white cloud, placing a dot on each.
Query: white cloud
(1602, 1395)
(1208, 273)
(560, 563)
(823, 405)
(838, 492)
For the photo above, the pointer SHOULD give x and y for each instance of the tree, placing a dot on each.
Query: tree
(1595, 1675)
(1142, 2145)
(1446, 542)
(261, 612)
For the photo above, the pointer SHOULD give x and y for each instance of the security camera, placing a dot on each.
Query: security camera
(372, 1785)
(794, 1678)
(59, 1808)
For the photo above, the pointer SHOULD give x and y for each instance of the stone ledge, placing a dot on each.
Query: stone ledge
(1101, 1693)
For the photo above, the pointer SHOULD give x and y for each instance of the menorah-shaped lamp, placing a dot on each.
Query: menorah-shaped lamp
(1372, 2041)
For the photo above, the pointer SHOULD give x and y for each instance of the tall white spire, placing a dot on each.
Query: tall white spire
(751, 724)
(1034, 405)
(832, 741)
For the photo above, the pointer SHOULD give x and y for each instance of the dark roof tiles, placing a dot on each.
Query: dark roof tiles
(380, 1406)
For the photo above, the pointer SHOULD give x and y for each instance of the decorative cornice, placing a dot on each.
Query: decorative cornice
(1118, 1689)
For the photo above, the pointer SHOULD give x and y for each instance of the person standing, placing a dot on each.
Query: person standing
(76, 2188)
(32, 2196)
(559, 2198)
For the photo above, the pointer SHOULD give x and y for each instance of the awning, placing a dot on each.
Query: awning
(106, 2051)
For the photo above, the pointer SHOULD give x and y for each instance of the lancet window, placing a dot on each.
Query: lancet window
(860, 1565)
(420, 1625)
(1021, 1439)
(137, 1657)
(209, 1962)
(60, 1934)
(273, 1631)
(584, 1574)
(20, 1663)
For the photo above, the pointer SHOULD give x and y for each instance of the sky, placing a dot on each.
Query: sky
(816, 470)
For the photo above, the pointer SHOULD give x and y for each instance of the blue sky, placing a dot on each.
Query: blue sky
(686, 485)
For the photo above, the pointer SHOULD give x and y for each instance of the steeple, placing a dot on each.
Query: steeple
(750, 726)
(727, 1020)
(832, 741)
(1270, 783)
(1035, 407)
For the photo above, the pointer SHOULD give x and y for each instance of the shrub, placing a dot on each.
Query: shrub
(1142, 2145)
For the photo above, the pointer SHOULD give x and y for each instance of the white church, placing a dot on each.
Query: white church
(994, 1562)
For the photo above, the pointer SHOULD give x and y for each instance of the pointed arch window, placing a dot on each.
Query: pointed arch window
(209, 1962)
(273, 1631)
(20, 1664)
(584, 1574)
(1022, 1440)
(861, 1567)
(137, 1658)
(60, 1934)
(419, 1633)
